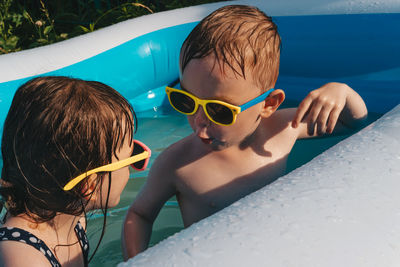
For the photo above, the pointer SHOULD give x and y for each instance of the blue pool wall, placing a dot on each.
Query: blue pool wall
(359, 49)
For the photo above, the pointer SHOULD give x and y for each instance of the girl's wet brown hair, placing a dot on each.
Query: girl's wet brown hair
(57, 128)
(240, 37)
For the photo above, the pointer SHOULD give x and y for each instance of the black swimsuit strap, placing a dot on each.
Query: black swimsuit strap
(83, 241)
(20, 235)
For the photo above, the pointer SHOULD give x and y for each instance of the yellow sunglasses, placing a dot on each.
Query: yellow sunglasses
(219, 112)
(139, 161)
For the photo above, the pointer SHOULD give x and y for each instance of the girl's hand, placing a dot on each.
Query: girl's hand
(321, 108)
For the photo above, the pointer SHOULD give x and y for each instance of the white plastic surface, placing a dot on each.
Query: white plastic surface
(340, 209)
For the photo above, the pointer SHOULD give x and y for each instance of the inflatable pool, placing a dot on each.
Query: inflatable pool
(340, 209)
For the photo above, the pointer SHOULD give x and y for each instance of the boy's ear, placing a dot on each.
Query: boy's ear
(272, 102)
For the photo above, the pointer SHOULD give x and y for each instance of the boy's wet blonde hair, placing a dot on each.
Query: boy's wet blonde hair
(240, 37)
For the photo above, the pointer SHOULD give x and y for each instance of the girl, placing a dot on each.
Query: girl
(66, 147)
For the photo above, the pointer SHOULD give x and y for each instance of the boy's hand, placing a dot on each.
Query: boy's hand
(322, 107)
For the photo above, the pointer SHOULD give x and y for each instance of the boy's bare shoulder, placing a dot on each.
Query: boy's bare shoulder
(175, 155)
(180, 147)
(281, 119)
(280, 124)
(284, 115)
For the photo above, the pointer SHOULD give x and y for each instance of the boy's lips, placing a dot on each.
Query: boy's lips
(205, 138)
(213, 143)
(206, 141)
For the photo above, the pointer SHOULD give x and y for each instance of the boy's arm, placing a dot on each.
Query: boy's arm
(333, 108)
(140, 217)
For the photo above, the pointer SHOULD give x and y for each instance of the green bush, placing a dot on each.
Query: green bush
(32, 23)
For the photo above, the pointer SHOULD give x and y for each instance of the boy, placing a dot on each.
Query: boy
(232, 56)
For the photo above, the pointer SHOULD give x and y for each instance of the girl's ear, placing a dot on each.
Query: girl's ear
(90, 187)
(272, 102)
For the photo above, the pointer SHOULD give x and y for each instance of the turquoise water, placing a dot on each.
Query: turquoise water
(158, 134)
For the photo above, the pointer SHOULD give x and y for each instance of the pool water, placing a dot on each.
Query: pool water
(158, 134)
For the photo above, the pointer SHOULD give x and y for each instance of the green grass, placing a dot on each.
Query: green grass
(26, 24)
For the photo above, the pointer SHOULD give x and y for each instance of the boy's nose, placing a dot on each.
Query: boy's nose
(200, 119)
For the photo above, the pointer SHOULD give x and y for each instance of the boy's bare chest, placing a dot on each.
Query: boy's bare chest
(210, 184)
